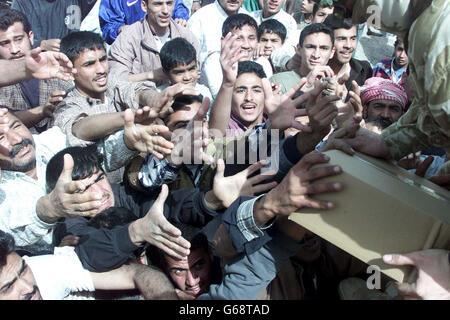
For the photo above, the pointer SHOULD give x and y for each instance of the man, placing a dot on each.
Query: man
(393, 68)
(135, 53)
(343, 63)
(34, 100)
(423, 25)
(52, 20)
(316, 48)
(101, 249)
(247, 101)
(248, 232)
(115, 15)
(54, 276)
(23, 160)
(207, 33)
(95, 91)
(197, 272)
(384, 102)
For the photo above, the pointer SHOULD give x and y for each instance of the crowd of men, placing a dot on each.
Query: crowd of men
(155, 148)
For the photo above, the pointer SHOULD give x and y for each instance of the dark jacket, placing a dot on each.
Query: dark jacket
(360, 72)
(101, 250)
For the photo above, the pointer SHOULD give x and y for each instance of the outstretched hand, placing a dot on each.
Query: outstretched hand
(69, 198)
(145, 138)
(228, 189)
(283, 109)
(48, 65)
(353, 138)
(302, 181)
(156, 230)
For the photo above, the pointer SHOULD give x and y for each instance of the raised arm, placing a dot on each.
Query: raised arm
(37, 64)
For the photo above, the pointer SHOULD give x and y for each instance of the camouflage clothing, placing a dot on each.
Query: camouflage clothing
(427, 122)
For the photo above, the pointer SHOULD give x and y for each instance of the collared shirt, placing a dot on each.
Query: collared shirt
(385, 69)
(237, 128)
(206, 24)
(12, 97)
(119, 96)
(19, 193)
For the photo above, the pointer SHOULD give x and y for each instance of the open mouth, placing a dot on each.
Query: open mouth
(164, 19)
(233, 3)
(346, 54)
(194, 290)
(17, 57)
(23, 151)
(273, 6)
(101, 81)
(249, 108)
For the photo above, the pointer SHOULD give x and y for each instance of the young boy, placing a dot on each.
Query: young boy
(179, 63)
(245, 28)
(271, 36)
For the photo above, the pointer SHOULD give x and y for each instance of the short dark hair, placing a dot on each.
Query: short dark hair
(184, 100)
(10, 16)
(251, 67)
(181, 101)
(112, 217)
(175, 52)
(86, 161)
(316, 28)
(197, 239)
(317, 6)
(272, 26)
(335, 24)
(77, 42)
(398, 41)
(7, 245)
(237, 20)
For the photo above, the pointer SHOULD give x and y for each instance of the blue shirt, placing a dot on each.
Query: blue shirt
(115, 13)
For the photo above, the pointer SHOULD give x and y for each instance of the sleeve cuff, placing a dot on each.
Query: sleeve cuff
(246, 222)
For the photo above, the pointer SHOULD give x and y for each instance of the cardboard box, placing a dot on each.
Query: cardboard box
(383, 209)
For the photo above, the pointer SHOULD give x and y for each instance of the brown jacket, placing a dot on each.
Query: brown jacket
(135, 50)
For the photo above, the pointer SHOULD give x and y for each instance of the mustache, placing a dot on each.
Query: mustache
(20, 55)
(16, 149)
(30, 295)
(382, 122)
